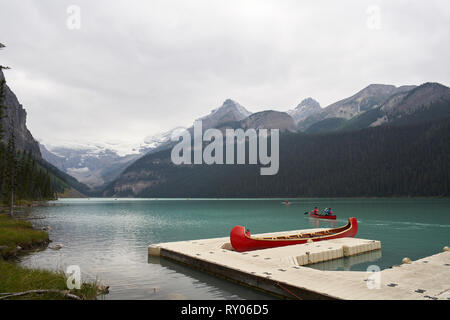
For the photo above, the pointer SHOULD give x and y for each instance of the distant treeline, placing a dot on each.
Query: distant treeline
(21, 177)
(408, 160)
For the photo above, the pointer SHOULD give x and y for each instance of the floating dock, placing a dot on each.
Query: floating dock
(281, 271)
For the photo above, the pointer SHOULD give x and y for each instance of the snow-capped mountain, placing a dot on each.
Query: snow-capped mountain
(91, 164)
(157, 141)
(96, 164)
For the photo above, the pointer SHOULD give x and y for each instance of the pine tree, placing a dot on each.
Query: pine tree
(11, 172)
(2, 149)
(20, 176)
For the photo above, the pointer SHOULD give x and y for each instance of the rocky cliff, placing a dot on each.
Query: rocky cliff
(14, 121)
(370, 97)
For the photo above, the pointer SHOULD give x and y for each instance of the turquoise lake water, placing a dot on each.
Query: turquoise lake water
(108, 238)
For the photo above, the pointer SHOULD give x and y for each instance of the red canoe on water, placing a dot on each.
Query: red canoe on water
(318, 216)
(241, 241)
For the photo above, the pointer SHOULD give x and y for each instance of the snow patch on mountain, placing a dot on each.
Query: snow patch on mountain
(306, 108)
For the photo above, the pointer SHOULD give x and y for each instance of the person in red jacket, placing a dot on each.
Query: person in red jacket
(315, 211)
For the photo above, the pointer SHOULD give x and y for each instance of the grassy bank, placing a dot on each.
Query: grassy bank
(15, 279)
(17, 236)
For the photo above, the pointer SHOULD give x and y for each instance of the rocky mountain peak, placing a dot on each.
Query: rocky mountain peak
(229, 111)
(368, 98)
(377, 87)
(304, 109)
(233, 106)
(420, 97)
(308, 103)
(229, 102)
(433, 85)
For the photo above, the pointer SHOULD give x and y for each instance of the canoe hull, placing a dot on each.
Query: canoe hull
(322, 217)
(242, 242)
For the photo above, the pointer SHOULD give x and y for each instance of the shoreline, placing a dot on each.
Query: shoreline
(19, 237)
(23, 204)
(252, 198)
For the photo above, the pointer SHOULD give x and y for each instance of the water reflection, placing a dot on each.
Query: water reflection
(346, 263)
(203, 279)
(318, 223)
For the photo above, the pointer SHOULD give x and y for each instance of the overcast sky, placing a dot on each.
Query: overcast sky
(136, 68)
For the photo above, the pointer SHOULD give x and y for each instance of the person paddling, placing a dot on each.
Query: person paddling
(315, 211)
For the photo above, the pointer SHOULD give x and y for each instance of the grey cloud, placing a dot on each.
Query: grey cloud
(142, 67)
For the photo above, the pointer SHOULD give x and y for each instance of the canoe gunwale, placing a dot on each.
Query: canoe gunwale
(241, 241)
(318, 216)
(314, 235)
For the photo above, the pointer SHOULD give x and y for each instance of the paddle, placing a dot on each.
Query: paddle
(306, 212)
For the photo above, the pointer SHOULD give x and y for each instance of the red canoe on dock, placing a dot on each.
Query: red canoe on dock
(242, 241)
(318, 216)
